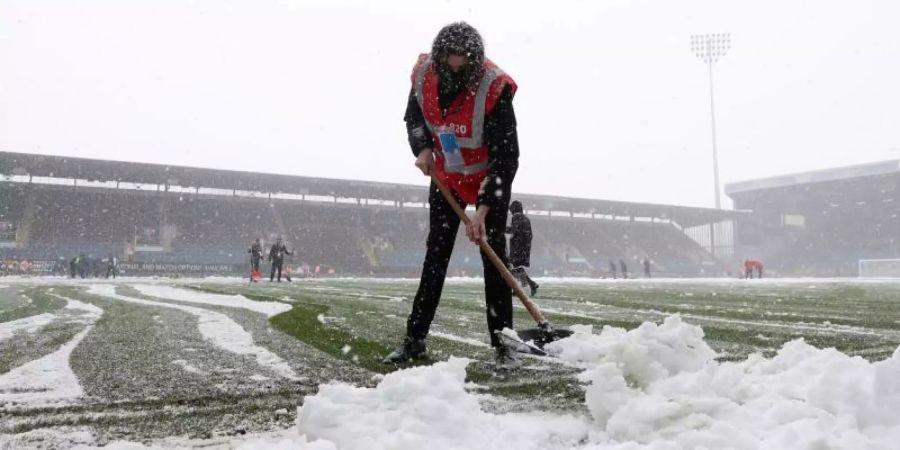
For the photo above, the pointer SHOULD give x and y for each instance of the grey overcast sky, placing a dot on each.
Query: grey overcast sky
(612, 103)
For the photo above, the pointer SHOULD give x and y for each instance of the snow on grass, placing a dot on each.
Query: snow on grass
(216, 328)
(285, 439)
(187, 367)
(657, 386)
(49, 380)
(92, 312)
(25, 325)
(235, 301)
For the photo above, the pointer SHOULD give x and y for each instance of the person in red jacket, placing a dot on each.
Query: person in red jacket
(750, 265)
(462, 129)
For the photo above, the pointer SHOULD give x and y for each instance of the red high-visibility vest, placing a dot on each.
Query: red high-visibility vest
(463, 123)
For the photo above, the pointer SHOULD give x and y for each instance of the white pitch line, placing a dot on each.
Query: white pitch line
(216, 328)
(236, 301)
(453, 337)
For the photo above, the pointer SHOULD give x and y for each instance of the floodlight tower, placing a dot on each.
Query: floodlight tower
(709, 48)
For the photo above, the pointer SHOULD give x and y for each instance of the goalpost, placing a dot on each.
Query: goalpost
(879, 268)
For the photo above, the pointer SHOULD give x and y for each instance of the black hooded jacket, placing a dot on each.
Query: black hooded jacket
(520, 241)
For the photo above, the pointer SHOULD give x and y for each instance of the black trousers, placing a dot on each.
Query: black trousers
(443, 226)
(522, 276)
(254, 263)
(276, 264)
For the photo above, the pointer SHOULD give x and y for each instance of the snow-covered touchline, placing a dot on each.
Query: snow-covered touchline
(216, 328)
(236, 301)
(49, 380)
(28, 324)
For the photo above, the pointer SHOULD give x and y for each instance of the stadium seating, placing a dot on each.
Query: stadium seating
(348, 239)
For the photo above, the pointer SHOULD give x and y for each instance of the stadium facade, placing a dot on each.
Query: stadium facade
(194, 221)
(820, 223)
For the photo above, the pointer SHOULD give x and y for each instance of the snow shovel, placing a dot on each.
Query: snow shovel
(527, 341)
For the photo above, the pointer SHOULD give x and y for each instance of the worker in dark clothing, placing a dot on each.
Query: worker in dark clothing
(462, 130)
(112, 266)
(255, 252)
(82, 265)
(276, 257)
(73, 267)
(624, 269)
(520, 245)
(647, 267)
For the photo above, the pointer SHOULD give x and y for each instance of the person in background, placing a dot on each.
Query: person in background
(255, 252)
(112, 266)
(520, 245)
(276, 256)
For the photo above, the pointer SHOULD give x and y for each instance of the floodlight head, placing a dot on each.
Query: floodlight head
(709, 48)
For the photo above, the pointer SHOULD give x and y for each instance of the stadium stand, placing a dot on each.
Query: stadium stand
(201, 221)
(820, 223)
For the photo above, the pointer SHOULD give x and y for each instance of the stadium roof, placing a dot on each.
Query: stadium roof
(165, 175)
(817, 176)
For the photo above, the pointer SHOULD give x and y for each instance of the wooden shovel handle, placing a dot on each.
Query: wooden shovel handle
(498, 263)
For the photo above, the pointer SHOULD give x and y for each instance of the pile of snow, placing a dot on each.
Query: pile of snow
(660, 386)
(657, 386)
(426, 407)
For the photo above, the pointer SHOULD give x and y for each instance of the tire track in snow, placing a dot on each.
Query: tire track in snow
(49, 380)
(216, 328)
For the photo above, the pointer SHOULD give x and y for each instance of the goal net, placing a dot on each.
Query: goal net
(879, 268)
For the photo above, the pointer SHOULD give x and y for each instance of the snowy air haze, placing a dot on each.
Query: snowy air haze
(612, 103)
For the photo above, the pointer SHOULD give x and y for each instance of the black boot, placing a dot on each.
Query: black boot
(505, 358)
(534, 288)
(409, 349)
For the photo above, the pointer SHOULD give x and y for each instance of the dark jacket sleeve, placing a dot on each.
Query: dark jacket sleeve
(503, 152)
(416, 131)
